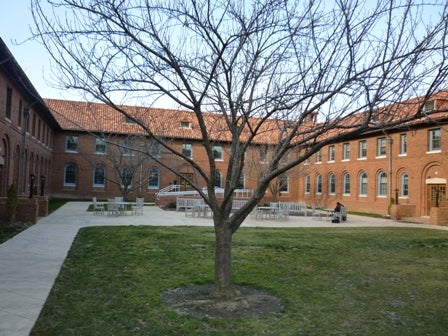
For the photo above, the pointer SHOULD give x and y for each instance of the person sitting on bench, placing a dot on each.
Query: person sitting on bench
(337, 213)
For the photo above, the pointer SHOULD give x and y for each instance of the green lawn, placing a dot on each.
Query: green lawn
(338, 281)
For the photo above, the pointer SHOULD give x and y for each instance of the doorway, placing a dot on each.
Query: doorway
(436, 196)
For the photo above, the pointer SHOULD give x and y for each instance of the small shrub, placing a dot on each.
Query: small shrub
(12, 201)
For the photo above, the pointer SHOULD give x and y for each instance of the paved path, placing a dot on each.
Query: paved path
(30, 262)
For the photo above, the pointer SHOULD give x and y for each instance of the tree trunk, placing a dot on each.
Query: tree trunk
(223, 248)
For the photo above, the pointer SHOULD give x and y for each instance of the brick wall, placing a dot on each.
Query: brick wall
(28, 209)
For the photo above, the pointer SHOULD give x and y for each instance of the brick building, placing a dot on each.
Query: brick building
(74, 147)
(26, 132)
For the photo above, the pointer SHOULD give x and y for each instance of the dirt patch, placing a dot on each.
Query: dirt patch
(195, 300)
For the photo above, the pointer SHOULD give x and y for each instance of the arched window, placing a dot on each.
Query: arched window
(404, 185)
(99, 176)
(241, 182)
(363, 184)
(153, 178)
(127, 174)
(382, 184)
(331, 184)
(319, 184)
(283, 184)
(218, 179)
(70, 175)
(307, 184)
(346, 184)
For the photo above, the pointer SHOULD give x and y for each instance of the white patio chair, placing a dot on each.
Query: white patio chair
(137, 208)
(97, 207)
(112, 207)
(315, 212)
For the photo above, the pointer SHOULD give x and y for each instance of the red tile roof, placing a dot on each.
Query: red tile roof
(99, 117)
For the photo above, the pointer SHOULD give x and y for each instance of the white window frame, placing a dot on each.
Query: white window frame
(283, 187)
(382, 184)
(218, 153)
(346, 185)
(100, 146)
(363, 184)
(75, 172)
(307, 188)
(405, 185)
(153, 171)
(319, 156)
(403, 144)
(187, 147)
(318, 184)
(95, 182)
(71, 144)
(346, 151)
(331, 153)
(435, 142)
(362, 147)
(381, 147)
(331, 184)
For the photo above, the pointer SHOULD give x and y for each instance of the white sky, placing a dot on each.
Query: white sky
(15, 23)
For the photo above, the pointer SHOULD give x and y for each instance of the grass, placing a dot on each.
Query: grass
(338, 281)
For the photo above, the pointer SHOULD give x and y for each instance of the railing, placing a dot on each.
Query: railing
(175, 190)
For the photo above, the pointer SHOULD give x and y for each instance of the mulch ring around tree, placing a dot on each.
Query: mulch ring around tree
(195, 300)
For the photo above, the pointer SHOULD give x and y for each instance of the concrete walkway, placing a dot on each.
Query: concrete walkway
(30, 261)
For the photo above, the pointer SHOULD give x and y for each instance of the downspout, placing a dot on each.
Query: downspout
(390, 174)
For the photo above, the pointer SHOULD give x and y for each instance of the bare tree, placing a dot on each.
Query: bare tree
(301, 74)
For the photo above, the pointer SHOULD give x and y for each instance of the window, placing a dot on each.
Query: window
(264, 154)
(129, 120)
(71, 144)
(307, 184)
(331, 153)
(217, 153)
(153, 178)
(403, 144)
(218, 179)
(155, 149)
(429, 106)
(331, 184)
(381, 147)
(127, 174)
(382, 184)
(128, 147)
(100, 146)
(434, 140)
(241, 184)
(8, 102)
(363, 184)
(20, 113)
(284, 184)
(319, 156)
(362, 149)
(70, 175)
(185, 124)
(319, 184)
(187, 150)
(404, 185)
(99, 176)
(346, 184)
(346, 151)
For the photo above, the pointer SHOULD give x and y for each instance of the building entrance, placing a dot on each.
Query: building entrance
(436, 196)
